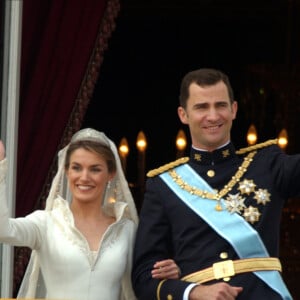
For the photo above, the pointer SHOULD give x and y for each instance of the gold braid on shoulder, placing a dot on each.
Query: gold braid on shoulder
(183, 160)
(168, 166)
(257, 146)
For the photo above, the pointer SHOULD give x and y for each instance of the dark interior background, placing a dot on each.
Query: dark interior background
(156, 42)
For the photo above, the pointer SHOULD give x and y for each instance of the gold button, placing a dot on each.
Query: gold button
(169, 297)
(210, 173)
(223, 255)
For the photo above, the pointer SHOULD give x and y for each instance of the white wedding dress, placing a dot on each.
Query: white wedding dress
(70, 270)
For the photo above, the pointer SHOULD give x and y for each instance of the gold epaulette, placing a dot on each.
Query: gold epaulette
(257, 146)
(168, 166)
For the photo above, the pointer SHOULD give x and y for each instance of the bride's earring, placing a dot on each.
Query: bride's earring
(108, 185)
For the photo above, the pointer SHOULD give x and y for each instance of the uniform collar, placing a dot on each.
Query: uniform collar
(211, 158)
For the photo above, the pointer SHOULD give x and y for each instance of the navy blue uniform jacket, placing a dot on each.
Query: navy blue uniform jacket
(168, 228)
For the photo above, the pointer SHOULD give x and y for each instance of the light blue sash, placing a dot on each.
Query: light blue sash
(232, 227)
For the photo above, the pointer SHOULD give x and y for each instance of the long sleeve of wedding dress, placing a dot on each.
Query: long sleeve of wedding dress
(70, 270)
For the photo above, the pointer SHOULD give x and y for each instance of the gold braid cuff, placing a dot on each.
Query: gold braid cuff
(158, 289)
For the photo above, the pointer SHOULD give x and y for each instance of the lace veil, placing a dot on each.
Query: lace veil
(118, 191)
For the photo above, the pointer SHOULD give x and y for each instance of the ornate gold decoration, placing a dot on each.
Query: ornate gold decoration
(217, 195)
(247, 186)
(168, 166)
(257, 146)
(262, 196)
(197, 156)
(251, 214)
(225, 153)
(235, 203)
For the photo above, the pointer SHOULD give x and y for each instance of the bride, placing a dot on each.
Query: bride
(82, 242)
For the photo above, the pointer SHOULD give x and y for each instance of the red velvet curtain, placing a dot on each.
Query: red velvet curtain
(62, 48)
(63, 42)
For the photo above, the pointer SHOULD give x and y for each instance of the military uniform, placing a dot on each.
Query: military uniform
(254, 183)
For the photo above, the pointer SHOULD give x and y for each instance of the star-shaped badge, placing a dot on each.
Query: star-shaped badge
(251, 214)
(235, 203)
(262, 196)
(247, 186)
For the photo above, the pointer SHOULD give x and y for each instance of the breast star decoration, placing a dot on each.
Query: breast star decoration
(247, 186)
(262, 196)
(235, 202)
(251, 214)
